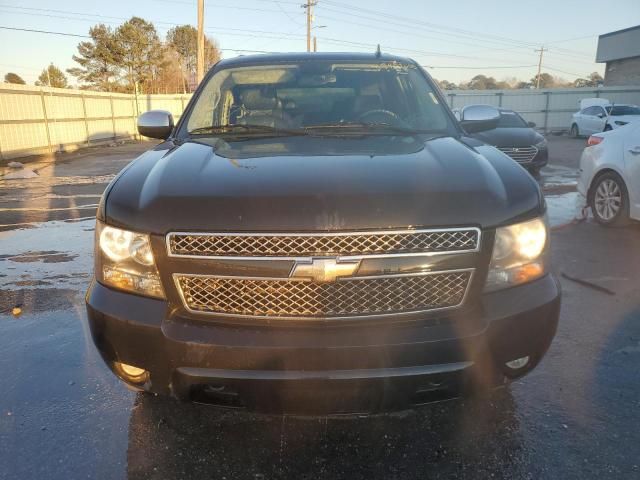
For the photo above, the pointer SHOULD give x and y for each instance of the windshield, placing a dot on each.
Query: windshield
(511, 120)
(319, 95)
(619, 110)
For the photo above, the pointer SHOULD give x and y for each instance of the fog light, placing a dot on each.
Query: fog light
(518, 363)
(131, 373)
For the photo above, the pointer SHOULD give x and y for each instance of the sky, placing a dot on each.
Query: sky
(456, 40)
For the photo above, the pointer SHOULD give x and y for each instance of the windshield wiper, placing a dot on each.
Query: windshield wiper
(369, 128)
(246, 129)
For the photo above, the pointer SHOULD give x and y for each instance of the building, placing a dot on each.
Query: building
(621, 52)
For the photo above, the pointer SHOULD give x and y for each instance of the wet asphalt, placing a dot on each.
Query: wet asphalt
(63, 415)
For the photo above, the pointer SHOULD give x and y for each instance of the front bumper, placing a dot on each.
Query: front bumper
(325, 368)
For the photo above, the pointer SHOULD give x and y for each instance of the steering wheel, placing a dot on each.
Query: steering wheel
(381, 115)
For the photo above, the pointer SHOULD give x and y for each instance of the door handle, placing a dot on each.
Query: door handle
(635, 150)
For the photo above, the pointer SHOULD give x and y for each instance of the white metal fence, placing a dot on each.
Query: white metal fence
(550, 109)
(41, 120)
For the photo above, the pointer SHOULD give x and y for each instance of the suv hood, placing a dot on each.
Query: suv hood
(308, 183)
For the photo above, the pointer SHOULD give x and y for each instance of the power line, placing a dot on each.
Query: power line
(449, 30)
(32, 30)
(261, 33)
(44, 31)
(214, 29)
(547, 67)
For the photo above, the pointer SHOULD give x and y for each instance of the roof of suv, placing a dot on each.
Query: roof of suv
(271, 58)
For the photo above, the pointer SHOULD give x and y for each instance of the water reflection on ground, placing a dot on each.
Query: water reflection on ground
(477, 438)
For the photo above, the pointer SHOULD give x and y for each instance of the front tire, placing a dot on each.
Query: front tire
(575, 131)
(609, 200)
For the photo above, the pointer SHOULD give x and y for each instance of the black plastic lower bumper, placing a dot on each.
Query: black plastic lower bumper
(540, 160)
(324, 368)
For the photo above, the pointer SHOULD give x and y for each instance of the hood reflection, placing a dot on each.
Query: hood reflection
(379, 145)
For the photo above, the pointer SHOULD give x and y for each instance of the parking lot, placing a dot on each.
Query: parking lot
(64, 415)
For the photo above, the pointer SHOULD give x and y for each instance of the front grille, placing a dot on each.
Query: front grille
(520, 154)
(338, 244)
(284, 298)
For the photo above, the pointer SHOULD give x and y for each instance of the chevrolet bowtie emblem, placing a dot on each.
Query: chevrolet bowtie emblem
(324, 269)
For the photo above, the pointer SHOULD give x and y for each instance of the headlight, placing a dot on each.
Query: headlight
(519, 254)
(124, 260)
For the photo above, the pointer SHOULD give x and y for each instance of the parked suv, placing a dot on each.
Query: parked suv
(319, 234)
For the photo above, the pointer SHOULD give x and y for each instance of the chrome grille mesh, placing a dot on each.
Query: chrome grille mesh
(357, 243)
(520, 154)
(286, 298)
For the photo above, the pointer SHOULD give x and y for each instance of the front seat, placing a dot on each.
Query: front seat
(261, 107)
(366, 103)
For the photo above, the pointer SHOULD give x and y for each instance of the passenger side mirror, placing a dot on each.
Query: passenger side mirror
(478, 118)
(156, 124)
(531, 124)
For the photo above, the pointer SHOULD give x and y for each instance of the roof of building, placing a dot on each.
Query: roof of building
(619, 45)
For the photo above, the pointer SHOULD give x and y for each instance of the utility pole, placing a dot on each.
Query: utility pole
(315, 44)
(200, 47)
(542, 50)
(309, 6)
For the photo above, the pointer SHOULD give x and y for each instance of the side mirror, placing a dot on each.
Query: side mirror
(478, 118)
(531, 124)
(156, 124)
(601, 115)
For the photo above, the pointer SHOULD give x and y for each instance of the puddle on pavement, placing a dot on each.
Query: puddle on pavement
(57, 253)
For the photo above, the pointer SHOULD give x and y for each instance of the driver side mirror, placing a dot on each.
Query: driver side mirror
(478, 118)
(601, 115)
(156, 124)
(531, 124)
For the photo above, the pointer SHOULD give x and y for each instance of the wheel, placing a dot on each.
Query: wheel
(609, 200)
(607, 127)
(574, 132)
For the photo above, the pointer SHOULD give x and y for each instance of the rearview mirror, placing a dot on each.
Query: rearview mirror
(478, 118)
(156, 124)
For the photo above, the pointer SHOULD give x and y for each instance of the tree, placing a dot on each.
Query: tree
(546, 81)
(446, 85)
(99, 60)
(52, 76)
(170, 78)
(14, 78)
(593, 80)
(184, 39)
(482, 82)
(142, 52)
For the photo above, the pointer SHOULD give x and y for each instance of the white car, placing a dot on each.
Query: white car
(601, 118)
(610, 175)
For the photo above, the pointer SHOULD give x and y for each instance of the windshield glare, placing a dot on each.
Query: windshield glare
(620, 110)
(320, 94)
(511, 120)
